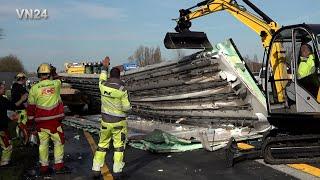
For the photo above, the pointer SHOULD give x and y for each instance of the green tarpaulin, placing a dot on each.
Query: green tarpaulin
(161, 142)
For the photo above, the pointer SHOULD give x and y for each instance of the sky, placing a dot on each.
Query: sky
(78, 31)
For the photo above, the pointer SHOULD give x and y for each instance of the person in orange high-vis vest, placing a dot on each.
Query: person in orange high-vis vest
(46, 109)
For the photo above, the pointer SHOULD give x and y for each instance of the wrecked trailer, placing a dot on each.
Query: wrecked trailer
(207, 87)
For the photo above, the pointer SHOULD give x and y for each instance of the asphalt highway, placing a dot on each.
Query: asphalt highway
(198, 164)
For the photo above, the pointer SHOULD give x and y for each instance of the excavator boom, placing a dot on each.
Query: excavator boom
(264, 26)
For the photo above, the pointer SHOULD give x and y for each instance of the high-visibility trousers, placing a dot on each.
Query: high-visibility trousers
(23, 118)
(58, 140)
(118, 133)
(21, 128)
(6, 148)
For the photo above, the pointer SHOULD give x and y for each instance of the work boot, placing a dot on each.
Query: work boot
(7, 165)
(32, 172)
(96, 174)
(63, 170)
(117, 176)
(44, 170)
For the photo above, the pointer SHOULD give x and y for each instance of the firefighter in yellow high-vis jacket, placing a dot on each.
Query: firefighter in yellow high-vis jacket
(114, 107)
(46, 109)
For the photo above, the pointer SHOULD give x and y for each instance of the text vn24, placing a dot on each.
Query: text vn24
(32, 14)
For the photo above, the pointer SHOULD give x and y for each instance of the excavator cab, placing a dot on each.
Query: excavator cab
(293, 79)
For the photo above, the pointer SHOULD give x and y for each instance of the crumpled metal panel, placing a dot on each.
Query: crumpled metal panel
(228, 54)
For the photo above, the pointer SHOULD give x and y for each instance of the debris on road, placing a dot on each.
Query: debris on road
(77, 137)
(148, 135)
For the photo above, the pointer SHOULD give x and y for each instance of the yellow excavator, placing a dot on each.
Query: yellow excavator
(293, 99)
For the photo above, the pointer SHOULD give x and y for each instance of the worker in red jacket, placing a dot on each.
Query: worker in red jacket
(46, 109)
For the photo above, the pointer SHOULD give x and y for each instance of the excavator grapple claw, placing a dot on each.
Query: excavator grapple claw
(187, 40)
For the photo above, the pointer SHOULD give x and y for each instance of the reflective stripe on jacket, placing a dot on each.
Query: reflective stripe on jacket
(114, 96)
(44, 102)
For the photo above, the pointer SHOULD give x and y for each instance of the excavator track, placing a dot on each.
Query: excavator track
(287, 149)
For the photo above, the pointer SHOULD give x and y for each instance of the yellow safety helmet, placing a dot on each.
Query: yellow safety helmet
(21, 75)
(44, 69)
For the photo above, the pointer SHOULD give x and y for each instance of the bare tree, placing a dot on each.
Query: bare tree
(180, 54)
(253, 64)
(146, 55)
(131, 58)
(157, 55)
(246, 58)
(255, 58)
(1, 33)
(139, 56)
(11, 64)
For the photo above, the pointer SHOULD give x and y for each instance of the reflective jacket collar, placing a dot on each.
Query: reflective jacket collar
(115, 80)
(304, 59)
(114, 83)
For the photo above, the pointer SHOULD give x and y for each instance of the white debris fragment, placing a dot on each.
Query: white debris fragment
(160, 170)
(236, 132)
(219, 131)
(179, 120)
(169, 156)
(228, 76)
(77, 137)
(179, 128)
(230, 126)
(219, 134)
(261, 117)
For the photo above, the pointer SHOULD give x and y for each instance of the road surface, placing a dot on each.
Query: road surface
(198, 164)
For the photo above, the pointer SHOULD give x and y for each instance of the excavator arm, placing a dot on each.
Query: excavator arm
(264, 26)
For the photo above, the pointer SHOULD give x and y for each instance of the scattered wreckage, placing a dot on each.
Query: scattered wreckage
(208, 87)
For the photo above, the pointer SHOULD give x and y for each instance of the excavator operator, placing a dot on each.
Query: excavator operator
(306, 70)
